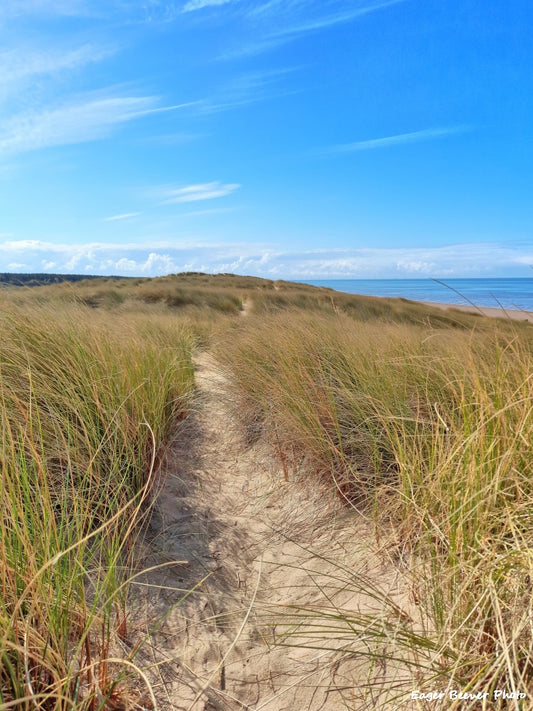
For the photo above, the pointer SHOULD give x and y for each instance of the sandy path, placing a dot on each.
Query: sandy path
(254, 544)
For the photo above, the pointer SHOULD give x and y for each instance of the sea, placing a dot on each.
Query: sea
(507, 293)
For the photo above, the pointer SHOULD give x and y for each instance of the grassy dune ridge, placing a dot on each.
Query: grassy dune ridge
(421, 419)
(205, 295)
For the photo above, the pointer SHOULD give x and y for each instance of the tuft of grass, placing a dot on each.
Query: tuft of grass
(86, 403)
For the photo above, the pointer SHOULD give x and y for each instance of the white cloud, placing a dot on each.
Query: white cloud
(346, 15)
(23, 245)
(124, 265)
(400, 139)
(25, 63)
(123, 216)
(267, 7)
(200, 4)
(134, 10)
(278, 21)
(14, 8)
(153, 258)
(417, 267)
(90, 118)
(275, 22)
(158, 264)
(247, 88)
(200, 191)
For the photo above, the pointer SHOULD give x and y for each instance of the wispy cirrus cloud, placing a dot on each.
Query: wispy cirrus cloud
(398, 139)
(126, 11)
(196, 192)
(200, 4)
(122, 216)
(248, 88)
(277, 22)
(16, 8)
(90, 117)
(324, 20)
(26, 63)
(265, 8)
(32, 10)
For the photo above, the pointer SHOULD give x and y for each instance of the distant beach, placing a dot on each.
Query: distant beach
(513, 314)
(509, 294)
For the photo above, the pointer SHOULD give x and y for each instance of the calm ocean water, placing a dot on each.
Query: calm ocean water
(509, 293)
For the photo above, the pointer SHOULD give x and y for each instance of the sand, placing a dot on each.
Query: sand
(254, 547)
(512, 314)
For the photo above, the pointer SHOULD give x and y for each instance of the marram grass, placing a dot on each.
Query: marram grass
(86, 403)
(421, 420)
(428, 431)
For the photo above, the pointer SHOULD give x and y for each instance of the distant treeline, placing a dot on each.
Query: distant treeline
(43, 279)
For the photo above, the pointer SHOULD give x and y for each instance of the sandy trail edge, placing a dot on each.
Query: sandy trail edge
(254, 544)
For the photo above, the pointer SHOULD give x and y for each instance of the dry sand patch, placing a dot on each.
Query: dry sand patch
(257, 549)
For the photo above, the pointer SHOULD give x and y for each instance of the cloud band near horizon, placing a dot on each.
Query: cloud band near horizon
(155, 258)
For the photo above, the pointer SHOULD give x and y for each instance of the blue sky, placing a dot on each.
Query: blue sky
(282, 138)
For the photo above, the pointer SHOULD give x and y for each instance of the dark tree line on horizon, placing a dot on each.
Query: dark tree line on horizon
(11, 279)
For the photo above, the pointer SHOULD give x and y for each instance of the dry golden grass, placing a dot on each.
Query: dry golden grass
(87, 402)
(429, 431)
(421, 419)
